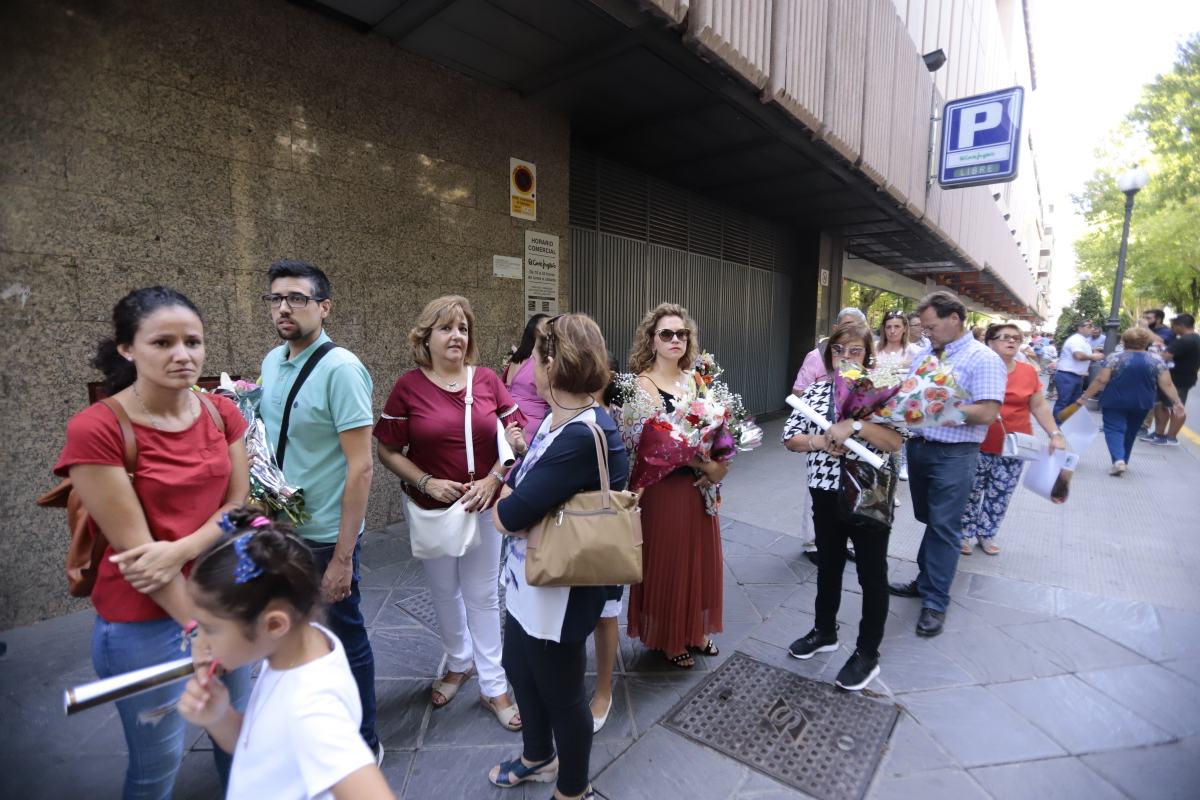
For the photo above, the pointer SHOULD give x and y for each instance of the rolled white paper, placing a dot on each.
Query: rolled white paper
(507, 457)
(824, 424)
(127, 684)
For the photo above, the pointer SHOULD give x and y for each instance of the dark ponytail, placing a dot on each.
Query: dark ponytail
(280, 565)
(127, 317)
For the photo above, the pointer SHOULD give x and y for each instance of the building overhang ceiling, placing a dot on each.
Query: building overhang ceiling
(637, 92)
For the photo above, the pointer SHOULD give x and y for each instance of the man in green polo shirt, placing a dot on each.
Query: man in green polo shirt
(328, 453)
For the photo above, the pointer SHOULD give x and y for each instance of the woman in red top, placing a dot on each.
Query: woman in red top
(422, 440)
(996, 476)
(188, 474)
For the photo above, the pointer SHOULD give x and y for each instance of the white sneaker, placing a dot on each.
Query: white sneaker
(903, 473)
(1118, 468)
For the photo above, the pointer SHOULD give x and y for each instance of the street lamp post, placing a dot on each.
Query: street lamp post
(1130, 183)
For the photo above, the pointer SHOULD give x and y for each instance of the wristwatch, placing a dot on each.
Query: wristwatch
(856, 426)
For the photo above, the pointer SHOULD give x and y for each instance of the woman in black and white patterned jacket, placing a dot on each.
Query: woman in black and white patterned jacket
(851, 341)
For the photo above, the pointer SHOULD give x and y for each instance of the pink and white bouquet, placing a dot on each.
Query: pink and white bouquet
(268, 486)
(929, 398)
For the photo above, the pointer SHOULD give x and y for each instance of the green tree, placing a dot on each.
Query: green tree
(1088, 304)
(1163, 260)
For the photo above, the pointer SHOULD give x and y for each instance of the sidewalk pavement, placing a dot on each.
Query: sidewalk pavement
(1070, 665)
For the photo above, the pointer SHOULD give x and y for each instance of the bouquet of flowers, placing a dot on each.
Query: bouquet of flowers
(268, 487)
(631, 408)
(859, 393)
(928, 398)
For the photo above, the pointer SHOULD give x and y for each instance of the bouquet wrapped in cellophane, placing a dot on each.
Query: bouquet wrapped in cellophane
(928, 398)
(859, 393)
(709, 420)
(268, 487)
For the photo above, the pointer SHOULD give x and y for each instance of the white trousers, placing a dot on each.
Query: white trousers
(465, 597)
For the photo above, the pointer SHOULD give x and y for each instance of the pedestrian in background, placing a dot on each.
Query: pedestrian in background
(1073, 361)
(851, 342)
(518, 377)
(190, 468)
(422, 439)
(679, 601)
(916, 332)
(1184, 353)
(941, 461)
(547, 628)
(894, 350)
(1126, 387)
(326, 450)
(996, 476)
(813, 367)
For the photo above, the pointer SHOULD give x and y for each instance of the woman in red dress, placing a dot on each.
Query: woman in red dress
(678, 603)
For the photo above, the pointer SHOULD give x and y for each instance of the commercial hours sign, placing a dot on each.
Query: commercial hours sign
(981, 138)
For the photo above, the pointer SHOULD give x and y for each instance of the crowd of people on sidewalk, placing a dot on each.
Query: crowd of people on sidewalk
(163, 472)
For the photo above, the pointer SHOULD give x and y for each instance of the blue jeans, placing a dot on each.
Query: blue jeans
(1121, 429)
(155, 749)
(1069, 386)
(345, 619)
(940, 477)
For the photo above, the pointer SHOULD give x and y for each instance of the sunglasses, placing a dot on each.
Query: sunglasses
(1006, 337)
(839, 350)
(666, 334)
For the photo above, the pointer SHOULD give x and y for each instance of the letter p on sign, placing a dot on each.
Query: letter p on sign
(979, 118)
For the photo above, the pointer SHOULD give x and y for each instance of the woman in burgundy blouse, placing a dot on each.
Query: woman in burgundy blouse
(422, 440)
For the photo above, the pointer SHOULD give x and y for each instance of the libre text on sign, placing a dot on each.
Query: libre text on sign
(981, 138)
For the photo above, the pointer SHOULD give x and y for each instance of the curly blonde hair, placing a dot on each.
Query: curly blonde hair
(436, 312)
(641, 352)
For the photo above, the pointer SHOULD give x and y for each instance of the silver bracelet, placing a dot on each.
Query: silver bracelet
(423, 482)
(497, 476)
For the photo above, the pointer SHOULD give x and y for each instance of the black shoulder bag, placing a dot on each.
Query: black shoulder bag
(866, 495)
(305, 371)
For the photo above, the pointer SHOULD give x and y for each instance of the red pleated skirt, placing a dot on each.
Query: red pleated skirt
(679, 601)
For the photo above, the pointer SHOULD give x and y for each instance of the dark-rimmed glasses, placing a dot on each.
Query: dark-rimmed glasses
(293, 299)
(1007, 337)
(666, 334)
(853, 350)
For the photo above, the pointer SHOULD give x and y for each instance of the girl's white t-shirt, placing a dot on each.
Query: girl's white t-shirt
(300, 734)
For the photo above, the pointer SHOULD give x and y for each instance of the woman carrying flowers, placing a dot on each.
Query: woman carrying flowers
(850, 342)
(678, 603)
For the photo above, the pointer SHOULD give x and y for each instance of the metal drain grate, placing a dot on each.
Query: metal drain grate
(420, 607)
(806, 734)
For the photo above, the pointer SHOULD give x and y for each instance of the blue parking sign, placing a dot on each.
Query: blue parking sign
(981, 138)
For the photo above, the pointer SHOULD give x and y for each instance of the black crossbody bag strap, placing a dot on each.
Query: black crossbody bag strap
(305, 371)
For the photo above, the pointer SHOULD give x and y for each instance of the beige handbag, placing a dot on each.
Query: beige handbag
(594, 539)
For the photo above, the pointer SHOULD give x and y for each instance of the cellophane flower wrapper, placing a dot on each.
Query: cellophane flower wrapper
(928, 398)
(268, 486)
(662, 449)
(856, 392)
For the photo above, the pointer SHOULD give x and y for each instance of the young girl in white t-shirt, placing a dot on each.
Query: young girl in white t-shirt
(254, 593)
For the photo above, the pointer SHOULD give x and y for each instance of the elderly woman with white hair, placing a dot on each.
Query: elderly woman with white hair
(813, 368)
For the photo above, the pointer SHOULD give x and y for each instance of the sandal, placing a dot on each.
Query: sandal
(967, 549)
(684, 660)
(447, 689)
(989, 548)
(504, 716)
(512, 773)
(709, 648)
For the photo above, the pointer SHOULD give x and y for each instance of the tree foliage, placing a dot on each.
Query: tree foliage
(1163, 261)
(1088, 304)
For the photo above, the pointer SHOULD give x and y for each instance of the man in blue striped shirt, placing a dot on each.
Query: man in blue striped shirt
(941, 461)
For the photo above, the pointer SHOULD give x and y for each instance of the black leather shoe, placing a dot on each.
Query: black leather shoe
(904, 589)
(930, 622)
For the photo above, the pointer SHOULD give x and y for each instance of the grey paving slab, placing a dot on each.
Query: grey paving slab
(913, 750)
(401, 708)
(737, 606)
(785, 626)
(462, 772)
(761, 569)
(619, 726)
(767, 598)
(396, 766)
(1052, 779)
(664, 764)
(1072, 646)
(817, 667)
(909, 664)
(977, 728)
(994, 613)
(464, 721)
(1156, 633)
(947, 784)
(1153, 692)
(372, 600)
(1021, 595)
(652, 696)
(1187, 667)
(991, 655)
(406, 653)
(1079, 717)
(1165, 772)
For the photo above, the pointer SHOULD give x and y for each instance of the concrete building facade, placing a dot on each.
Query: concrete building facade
(728, 154)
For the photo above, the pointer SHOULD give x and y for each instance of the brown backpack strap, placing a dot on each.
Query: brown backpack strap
(211, 407)
(126, 433)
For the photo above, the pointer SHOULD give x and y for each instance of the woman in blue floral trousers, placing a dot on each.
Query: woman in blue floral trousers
(996, 476)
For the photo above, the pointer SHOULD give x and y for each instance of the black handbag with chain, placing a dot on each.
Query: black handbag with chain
(866, 495)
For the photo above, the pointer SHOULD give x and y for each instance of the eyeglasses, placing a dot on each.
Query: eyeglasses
(293, 299)
(666, 334)
(1007, 337)
(839, 350)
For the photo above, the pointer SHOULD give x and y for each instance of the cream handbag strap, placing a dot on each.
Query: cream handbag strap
(470, 400)
(602, 462)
